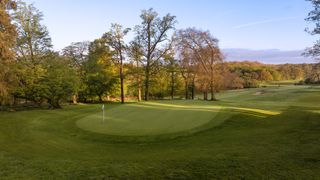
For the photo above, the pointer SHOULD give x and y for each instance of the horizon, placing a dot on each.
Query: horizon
(267, 56)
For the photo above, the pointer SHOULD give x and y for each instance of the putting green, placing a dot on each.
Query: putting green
(155, 118)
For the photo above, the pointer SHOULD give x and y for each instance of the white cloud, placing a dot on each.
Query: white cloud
(265, 22)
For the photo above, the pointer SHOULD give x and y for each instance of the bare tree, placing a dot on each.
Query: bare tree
(205, 52)
(172, 68)
(187, 68)
(151, 34)
(314, 17)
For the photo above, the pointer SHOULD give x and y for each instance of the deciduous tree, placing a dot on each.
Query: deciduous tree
(33, 46)
(314, 17)
(172, 68)
(59, 82)
(7, 42)
(151, 34)
(205, 50)
(77, 54)
(115, 39)
(135, 54)
(100, 72)
(33, 40)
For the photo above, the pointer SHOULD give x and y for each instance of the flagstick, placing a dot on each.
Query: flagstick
(103, 114)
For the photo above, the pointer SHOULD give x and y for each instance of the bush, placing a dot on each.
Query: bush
(300, 83)
(311, 81)
(252, 83)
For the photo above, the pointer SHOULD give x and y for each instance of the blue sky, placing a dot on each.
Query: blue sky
(247, 24)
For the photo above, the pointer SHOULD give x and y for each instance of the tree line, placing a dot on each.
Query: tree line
(159, 62)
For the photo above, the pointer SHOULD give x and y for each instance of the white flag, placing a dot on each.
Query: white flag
(102, 106)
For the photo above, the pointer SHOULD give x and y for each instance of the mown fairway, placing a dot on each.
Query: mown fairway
(269, 132)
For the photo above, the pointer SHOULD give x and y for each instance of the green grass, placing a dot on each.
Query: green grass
(145, 119)
(160, 118)
(269, 133)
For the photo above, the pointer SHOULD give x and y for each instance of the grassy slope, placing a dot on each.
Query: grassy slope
(39, 144)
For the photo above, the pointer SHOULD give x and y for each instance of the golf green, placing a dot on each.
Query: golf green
(162, 117)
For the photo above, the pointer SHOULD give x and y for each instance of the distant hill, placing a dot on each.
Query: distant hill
(269, 56)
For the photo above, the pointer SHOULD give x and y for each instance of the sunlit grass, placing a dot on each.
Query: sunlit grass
(266, 112)
(206, 107)
(318, 111)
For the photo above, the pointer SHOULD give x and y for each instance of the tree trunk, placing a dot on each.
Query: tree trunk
(187, 89)
(74, 99)
(121, 77)
(100, 98)
(139, 90)
(139, 83)
(193, 89)
(146, 98)
(192, 92)
(121, 82)
(213, 98)
(205, 94)
(318, 75)
(172, 85)
(147, 83)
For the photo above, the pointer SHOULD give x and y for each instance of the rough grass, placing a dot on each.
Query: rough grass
(238, 142)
